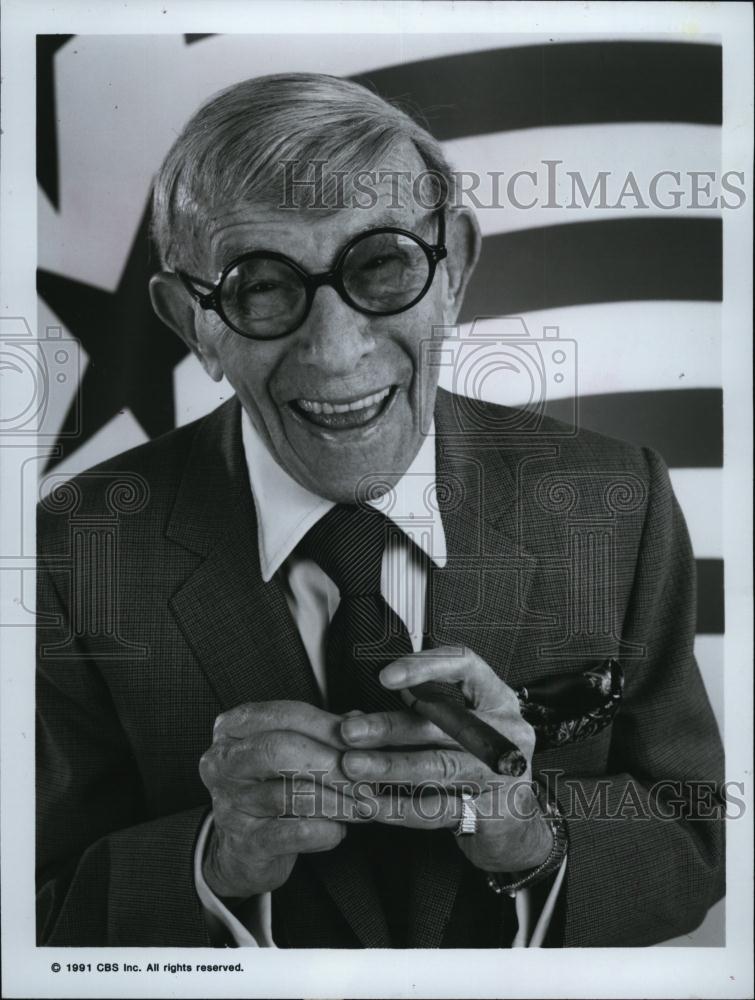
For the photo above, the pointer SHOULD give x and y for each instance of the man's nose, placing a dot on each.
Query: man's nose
(334, 336)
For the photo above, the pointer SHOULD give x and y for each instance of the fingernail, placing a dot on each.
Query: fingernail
(358, 765)
(394, 675)
(355, 729)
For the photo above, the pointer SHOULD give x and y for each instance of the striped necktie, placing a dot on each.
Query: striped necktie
(365, 634)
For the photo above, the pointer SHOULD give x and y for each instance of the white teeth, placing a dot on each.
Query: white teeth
(315, 406)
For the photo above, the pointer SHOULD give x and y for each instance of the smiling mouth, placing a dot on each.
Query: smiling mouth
(344, 415)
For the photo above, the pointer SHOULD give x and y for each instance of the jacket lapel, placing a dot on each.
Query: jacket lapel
(479, 598)
(240, 628)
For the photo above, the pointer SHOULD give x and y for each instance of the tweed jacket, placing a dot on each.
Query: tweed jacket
(564, 549)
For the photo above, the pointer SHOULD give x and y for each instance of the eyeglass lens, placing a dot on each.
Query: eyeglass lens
(263, 296)
(382, 272)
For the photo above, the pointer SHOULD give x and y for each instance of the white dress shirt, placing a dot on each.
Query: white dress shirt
(285, 513)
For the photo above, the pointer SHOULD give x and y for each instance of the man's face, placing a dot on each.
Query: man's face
(295, 388)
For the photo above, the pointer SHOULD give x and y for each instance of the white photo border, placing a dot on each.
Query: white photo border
(657, 972)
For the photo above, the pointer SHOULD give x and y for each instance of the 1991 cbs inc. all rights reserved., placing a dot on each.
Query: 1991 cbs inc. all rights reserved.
(169, 967)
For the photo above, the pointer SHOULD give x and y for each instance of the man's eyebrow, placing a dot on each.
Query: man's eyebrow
(236, 247)
(389, 218)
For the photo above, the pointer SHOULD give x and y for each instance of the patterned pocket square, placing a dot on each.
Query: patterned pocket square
(572, 707)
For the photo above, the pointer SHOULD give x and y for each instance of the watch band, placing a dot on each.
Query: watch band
(501, 883)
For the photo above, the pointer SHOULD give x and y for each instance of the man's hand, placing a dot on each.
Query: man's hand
(511, 832)
(270, 772)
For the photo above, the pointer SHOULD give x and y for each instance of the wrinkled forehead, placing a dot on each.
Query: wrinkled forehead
(322, 207)
(313, 240)
(399, 178)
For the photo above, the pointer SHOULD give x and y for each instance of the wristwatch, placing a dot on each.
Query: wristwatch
(506, 883)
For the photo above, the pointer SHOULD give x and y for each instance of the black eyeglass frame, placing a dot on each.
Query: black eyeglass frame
(212, 299)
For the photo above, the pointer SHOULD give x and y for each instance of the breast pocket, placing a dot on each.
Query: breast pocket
(570, 708)
(586, 757)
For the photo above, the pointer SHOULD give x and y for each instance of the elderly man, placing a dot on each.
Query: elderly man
(245, 767)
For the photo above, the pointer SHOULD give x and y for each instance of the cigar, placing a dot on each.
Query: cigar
(461, 724)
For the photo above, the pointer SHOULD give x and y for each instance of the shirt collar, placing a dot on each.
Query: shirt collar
(286, 510)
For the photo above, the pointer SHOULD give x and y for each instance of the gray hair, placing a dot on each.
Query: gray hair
(235, 146)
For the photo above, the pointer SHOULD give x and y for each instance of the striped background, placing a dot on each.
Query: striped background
(638, 290)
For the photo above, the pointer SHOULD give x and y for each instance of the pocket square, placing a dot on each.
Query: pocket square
(570, 707)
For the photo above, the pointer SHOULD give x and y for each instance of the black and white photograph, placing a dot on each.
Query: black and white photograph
(376, 478)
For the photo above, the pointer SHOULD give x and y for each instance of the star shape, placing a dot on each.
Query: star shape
(131, 353)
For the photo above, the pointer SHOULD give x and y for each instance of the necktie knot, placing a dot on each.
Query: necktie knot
(348, 544)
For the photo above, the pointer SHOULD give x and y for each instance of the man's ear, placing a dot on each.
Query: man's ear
(463, 240)
(174, 306)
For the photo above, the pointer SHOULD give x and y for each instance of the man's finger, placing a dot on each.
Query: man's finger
(481, 686)
(434, 809)
(444, 767)
(266, 716)
(393, 729)
(303, 799)
(270, 755)
(299, 836)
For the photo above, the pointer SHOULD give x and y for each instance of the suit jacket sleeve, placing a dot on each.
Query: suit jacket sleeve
(107, 871)
(638, 878)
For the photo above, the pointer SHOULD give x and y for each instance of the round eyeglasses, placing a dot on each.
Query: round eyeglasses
(264, 295)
